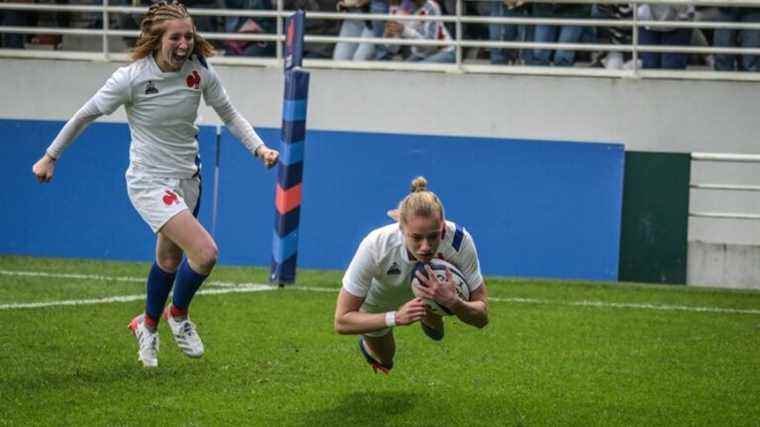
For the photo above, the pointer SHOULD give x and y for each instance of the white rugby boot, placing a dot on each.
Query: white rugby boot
(147, 342)
(185, 334)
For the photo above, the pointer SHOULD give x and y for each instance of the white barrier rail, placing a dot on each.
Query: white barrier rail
(723, 158)
(724, 215)
(730, 187)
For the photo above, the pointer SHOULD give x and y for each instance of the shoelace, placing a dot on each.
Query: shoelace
(188, 329)
(151, 341)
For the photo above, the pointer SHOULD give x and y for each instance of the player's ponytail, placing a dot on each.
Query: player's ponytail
(419, 202)
(152, 30)
(419, 184)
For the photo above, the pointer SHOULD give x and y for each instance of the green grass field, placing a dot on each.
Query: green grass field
(554, 353)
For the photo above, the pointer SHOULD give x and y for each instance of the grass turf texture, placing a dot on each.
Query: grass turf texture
(272, 357)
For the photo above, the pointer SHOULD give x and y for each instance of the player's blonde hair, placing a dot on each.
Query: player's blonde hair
(419, 202)
(153, 25)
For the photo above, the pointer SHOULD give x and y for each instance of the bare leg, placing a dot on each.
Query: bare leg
(168, 254)
(381, 348)
(184, 231)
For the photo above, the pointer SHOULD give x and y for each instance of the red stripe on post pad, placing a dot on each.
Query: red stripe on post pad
(287, 200)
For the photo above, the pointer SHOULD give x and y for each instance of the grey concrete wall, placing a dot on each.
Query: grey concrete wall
(724, 252)
(656, 115)
(723, 265)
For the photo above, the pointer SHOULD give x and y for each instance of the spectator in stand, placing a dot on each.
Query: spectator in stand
(558, 33)
(669, 36)
(128, 21)
(14, 18)
(131, 21)
(378, 28)
(733, 37)
(48, 19)
(618, 36)
(510, 32)
(423, 30)
(347, 51)
(246, 25)
(316, 27)
(205, 24)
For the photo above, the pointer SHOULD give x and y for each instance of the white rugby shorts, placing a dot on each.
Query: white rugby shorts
(158, 199)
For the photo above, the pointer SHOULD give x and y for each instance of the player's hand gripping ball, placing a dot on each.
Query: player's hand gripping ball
(439, 269)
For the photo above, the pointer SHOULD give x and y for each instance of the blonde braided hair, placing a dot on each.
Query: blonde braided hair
(152, 30)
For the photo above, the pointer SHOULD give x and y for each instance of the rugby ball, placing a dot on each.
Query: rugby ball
(439, 269)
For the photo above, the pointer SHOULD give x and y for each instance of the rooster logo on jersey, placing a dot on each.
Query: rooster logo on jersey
(193, 80)
(170, 198)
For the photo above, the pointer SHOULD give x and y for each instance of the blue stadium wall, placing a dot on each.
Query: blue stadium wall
(535, 208)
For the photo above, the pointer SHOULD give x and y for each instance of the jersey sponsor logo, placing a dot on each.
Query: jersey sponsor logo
(170, 198)
(394, 270)
(150, 88)
(193, 80)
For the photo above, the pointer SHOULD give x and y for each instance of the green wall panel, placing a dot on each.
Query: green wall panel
(653, 244)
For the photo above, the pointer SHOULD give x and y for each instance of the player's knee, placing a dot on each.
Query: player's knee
(207, 256)
(169, 262)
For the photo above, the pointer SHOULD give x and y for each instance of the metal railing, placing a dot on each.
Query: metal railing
(734, 158)
(458, 19)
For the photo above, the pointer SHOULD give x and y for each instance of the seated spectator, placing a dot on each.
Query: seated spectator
(618, 36)
(49, 19)
(734, 37)
(246, 25)
(470, 30)
(128, 21)
(558, 33)
(346, 51)
(14, 18)
(206, 23)
(316, 27)
(510, 32)
(382, 7)
(423, 30)
(131, 21)
(665, 36)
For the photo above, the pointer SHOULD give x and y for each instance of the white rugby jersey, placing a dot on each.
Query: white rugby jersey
(381, 270)
(161, 110)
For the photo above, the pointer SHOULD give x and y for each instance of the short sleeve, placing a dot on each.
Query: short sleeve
(114, 93)
(469, 263)
(361, 271)
(213, 91)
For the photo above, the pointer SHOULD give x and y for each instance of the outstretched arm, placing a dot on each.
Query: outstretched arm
(350, 321)
(243, 131)
(44, 167)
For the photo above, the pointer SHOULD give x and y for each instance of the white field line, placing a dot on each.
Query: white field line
(103, 278)
(71, 276)
(632, 305)
(232, 287)
(244, 288)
